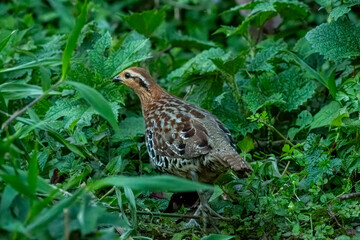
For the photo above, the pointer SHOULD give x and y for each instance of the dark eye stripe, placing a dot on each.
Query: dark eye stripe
(141, 83)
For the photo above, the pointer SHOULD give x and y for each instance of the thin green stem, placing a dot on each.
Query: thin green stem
(279, 133)
(173, 215)
(106, 194)
(236, 92)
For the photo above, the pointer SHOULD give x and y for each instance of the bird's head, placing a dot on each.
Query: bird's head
(140, 81)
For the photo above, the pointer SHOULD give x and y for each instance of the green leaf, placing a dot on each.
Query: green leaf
(73, 38)
(44, 62)
(151, 183)
(288, 89)
(33, 171)
(145, 22)
(73, 112)
(6, 40)
(131, 200)
(8, 196)
(269, 49)
(12, 91)
(88, 216)
(98, 102)
(262, 11)
(130, 128)
(51, 213)
(217, 237)
(304, 119)
(246, 145)
(343, 9)
(200, 64)
(42, 125)
(335, 40)
(231, 66)
(42, 186)
(134, 49)
(326, 115)
(187, 42)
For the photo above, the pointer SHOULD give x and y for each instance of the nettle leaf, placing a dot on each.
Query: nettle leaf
(145, 22)
(188, 42)
(205, 90)
(73, 112)
(324, 3)
(200, 64)
(291, 9)
(317, 161)
(134, 49)
(335, 40)
(226, 109)
(343, 9)
(231, 66)
(269, 49)
(262, 11)
(130, 128)
(287, 90)
(168, 32)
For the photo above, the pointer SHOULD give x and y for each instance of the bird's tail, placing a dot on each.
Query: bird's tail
(237, 163)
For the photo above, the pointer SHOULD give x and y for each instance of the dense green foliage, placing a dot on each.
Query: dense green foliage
(281, 74)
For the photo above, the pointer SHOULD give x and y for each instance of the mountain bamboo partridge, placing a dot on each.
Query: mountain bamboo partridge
(183, 139)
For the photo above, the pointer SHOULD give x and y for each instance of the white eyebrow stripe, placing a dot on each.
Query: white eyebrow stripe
(139, 76)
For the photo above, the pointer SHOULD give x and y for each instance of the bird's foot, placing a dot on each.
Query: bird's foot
(192, 224)
(208, 212)
(208, 215)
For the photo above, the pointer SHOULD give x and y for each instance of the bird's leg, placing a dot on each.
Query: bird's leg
(193, 223)
(204, 207)
(204, 203)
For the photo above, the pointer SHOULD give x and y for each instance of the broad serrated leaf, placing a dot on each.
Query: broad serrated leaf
(288, 90)
(134, 49)
(269, 49)
(188, 42)
(343, 9)
(73, 112)
(199, 64)
(335, 40)
(231, 66)
(262, 11)
(145, 22)
(130, 128)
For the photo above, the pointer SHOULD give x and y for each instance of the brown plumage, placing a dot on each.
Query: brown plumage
(182, 139)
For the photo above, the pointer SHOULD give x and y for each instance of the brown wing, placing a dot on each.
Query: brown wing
(182, 139)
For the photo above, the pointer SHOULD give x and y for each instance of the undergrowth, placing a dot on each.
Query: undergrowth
(282, 75)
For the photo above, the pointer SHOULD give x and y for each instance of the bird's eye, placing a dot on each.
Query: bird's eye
(127, 75)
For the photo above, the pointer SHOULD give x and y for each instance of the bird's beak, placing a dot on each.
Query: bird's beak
(117, 79)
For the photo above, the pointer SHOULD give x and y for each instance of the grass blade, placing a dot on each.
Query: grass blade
(151, 183)
(33, 171)
(98, 102)
(53, 212)
(72, 41)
